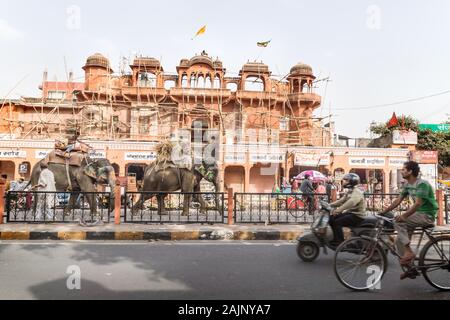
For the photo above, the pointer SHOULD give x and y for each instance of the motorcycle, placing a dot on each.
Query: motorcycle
(321, 234)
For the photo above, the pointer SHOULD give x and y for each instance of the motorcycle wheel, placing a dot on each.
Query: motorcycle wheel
(308, 251)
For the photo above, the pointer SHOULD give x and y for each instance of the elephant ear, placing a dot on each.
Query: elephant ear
(90, 171)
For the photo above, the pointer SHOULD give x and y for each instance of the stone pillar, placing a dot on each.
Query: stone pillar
(247, 178)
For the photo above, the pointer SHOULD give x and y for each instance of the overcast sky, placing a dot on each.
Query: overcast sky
(375, 52)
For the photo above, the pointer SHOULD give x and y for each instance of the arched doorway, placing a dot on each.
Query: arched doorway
(136, 169)
(234, 178)
(262, 178)
(116, 169)
(8, 168)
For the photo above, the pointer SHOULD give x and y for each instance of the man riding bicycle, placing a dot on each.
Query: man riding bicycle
(351, 209)
(421, 214)
(307, 189)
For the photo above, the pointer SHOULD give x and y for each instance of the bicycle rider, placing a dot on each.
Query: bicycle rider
(351, 208)
(307, 189)
(421, 214)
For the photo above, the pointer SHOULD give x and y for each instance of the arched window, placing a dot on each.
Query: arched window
(254, 83)
(146, 79)
(200, 81)
(208, 82)
(217, 82)
(193, 82)
(184, 81)
(169, 84)
(232, 86)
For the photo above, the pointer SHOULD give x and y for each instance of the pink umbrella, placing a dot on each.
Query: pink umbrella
(316, 175)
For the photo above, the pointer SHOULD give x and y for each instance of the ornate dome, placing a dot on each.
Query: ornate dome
(147, 62)
(255, 67)
(97, 60)
(201, 59)
(302, 69)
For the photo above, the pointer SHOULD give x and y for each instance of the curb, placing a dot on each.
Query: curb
(157, 235)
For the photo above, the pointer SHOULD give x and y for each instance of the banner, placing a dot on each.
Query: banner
(312, 159)
(426, 157)
(97, 154)
(397, 162)
(10, 154)
(366, 162)
(267, 157)
(234, 158)
(140, 156)
(41, 154)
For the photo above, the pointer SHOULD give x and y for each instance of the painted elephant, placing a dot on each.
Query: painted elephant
(170, 179)
(101, 172)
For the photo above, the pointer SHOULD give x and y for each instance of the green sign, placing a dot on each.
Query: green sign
(435, 127)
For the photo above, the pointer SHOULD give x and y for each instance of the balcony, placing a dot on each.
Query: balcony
(200, 94)
(257, 95)
(144, 91)
(305, 97)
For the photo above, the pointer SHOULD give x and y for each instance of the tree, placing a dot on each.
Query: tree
(427, 139)
(405, 123)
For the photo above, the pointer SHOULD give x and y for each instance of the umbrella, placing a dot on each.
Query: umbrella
(316, 175)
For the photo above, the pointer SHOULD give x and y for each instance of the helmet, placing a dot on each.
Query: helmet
(352, 180)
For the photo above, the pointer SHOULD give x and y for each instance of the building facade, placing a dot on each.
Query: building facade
(265, 125)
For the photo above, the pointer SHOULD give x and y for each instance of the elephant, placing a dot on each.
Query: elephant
(159, 182)
(81, 181)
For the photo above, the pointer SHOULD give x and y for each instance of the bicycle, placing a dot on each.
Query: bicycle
(366, 256)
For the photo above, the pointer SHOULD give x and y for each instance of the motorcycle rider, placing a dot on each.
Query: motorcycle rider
(351, 208)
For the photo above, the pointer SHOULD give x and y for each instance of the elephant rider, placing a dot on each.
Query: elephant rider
(181, 155)
(351, 208)
(209, 168)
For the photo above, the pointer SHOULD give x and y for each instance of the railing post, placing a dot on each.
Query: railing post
(2, 201)
(440, 201)
(230, 206)
(334, 195)
(117, 203)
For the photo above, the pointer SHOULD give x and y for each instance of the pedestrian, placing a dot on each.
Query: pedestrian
(294, 184)
(46, 198)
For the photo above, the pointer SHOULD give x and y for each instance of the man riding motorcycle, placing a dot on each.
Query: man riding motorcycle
(351, 209)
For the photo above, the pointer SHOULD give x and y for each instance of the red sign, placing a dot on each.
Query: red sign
(425, 157)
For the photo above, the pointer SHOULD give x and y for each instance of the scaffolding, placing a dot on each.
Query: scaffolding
(110, 114)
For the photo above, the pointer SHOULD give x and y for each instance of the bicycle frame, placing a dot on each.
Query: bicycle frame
(380, 241)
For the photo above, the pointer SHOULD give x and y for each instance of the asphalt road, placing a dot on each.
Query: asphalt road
(182, 270)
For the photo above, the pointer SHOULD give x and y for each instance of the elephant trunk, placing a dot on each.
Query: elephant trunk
(111, 180)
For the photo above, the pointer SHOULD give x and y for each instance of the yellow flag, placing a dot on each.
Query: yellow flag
(199, 32)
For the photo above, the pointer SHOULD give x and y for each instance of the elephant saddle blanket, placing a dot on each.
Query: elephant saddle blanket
(60, 157)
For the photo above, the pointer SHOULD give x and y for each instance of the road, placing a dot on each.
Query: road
(181, 270)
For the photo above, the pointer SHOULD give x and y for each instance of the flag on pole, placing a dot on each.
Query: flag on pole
(200, 32)
(393, 122)
(264, 44)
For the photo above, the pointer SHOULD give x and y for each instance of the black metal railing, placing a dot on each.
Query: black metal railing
(279, 208)
(376, 202)
(57, 207)
(151, 207)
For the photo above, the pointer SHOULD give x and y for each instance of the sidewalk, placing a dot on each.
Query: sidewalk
(136, 232)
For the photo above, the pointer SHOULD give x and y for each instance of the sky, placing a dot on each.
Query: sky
(375, 53)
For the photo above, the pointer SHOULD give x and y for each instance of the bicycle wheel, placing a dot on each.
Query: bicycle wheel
(297, 208)
(360, 264)
(434, 262)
